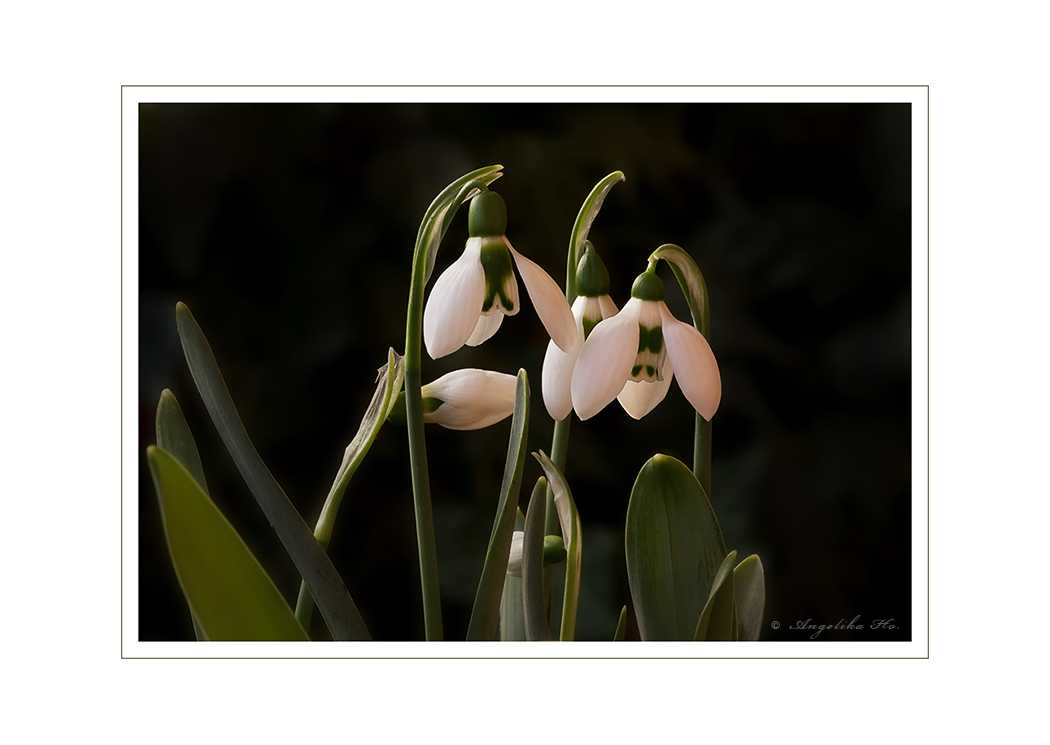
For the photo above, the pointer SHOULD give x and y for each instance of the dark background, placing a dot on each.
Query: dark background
(288, 230)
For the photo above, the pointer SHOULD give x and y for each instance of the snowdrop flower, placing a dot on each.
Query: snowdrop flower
(591, 306)
(633, 356)
(471, 297)
(464, 399)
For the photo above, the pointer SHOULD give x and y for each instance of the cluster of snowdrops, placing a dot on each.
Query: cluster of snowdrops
(684, 584)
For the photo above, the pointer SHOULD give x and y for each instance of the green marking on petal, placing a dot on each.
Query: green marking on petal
(635, 370)
(656, 339)
(430, 405)
(499, 272)
(589, 324)
(650, 338)
(651, 371)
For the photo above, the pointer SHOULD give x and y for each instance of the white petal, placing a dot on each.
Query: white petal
(694, 363)
(517, 545)
(488, 324)
(608, 306)
(455, 303)
(605, 361)
(639, 397)
(558, 367)
(548, 300)
(472, 398)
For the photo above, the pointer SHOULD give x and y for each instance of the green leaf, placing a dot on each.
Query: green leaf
(718, 619)
(536, 629)
(621, 626)
(485, 614)
(572, 531)
(750, 581)
(316, 568)
(174, 436)
(582, 227)
(439, 214)
(230, 595)
(511, 607)
(674, 549)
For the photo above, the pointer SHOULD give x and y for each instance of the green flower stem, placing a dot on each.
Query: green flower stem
(581, 228)
(417, 452)
(432, 228)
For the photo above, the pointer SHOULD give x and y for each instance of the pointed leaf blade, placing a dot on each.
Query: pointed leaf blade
(485, 614)
(316, 568)
(174, 436)
(718, 619)
(231, 596)
(749, 578)
(621, 626)
(536, 628)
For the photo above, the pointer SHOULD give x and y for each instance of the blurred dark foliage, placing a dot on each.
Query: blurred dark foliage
(288, 230)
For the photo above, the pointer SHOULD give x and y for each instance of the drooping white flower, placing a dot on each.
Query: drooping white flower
(470, 298)
(591, 306)
(469, 399)
(634, 355)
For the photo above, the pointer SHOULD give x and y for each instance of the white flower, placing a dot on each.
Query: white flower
(469, 399)
(517, 542)
(590, 308)
(473, 294)
(558, 365)
(634, 355)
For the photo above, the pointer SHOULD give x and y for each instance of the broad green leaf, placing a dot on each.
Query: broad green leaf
(230, 595)
(674, 549)
(536, 629)
(485, 614)
(174, 436)
(511, 608)
(621, 626)
(388, 384)
(316, 568)
(439, 214)
(582, 227)
(572, 532)
(718, 619)
(750, 581)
